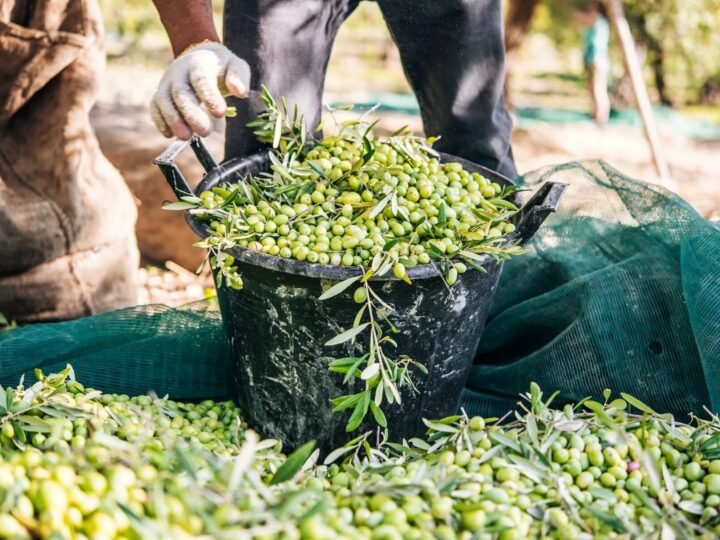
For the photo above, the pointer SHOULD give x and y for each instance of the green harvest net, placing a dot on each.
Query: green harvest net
(620, 289)
(525, 117)
(180, 352)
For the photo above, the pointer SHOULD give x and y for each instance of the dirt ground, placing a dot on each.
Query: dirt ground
(130, 141)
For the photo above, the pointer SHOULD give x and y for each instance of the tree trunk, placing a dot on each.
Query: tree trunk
(656, 58)
(657, 63)
(518, 21)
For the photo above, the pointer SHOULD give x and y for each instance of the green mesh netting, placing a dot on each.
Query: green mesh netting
(180, 352)
(620, 289)
(666, 117)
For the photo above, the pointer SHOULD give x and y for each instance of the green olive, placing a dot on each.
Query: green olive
(360, 295)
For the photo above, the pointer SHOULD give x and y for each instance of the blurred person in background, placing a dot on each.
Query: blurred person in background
(596, 58)
(452, 53)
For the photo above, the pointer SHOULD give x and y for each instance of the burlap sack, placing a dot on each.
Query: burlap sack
(67, 245)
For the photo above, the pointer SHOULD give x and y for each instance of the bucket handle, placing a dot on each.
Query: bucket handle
(170, 170)
(532, 215)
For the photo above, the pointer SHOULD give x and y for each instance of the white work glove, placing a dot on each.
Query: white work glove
(191, 91)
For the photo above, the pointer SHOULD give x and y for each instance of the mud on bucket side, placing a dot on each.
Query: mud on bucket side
(277, 326)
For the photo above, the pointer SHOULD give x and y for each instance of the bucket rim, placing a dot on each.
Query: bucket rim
(326, 271)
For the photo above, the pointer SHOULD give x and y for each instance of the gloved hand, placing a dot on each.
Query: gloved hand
(192, 89)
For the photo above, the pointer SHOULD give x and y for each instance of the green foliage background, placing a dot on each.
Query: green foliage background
(130, 19)
(683, 33)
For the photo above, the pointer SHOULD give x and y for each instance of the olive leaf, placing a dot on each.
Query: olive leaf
(342, 365)
(337, 454)
(370, 371)
(347, 335)
(606, 518)
(345, 402)
(34, 424)
(504, 440)
(379, 207)
(440, 427)
(278, 132)
(379, 389)
(293, 463)
(442, 215)
(691, 507)
(639, 405)
(619, 404)
(378, 415)
(603, 493)
(293, 501)
(358, 316)
(359, 412)
(179, 205)
(320, 506)
(368, 147)
(339, 287)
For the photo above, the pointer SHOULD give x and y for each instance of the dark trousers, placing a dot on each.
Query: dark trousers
(451, 50)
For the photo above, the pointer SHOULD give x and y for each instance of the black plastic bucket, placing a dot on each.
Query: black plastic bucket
(277, 326)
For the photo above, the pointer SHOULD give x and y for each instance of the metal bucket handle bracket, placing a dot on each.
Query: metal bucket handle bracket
(532, 215)
(172, 173)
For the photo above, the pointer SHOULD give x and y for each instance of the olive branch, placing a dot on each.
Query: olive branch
(383, 376)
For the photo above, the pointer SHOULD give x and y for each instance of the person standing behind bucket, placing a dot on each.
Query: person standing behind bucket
(451, 50)
(596, 59)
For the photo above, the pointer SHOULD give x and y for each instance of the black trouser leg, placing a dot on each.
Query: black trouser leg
(287, 44)
(454, 57)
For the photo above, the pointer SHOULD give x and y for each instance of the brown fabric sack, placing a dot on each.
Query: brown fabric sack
(67, 244)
